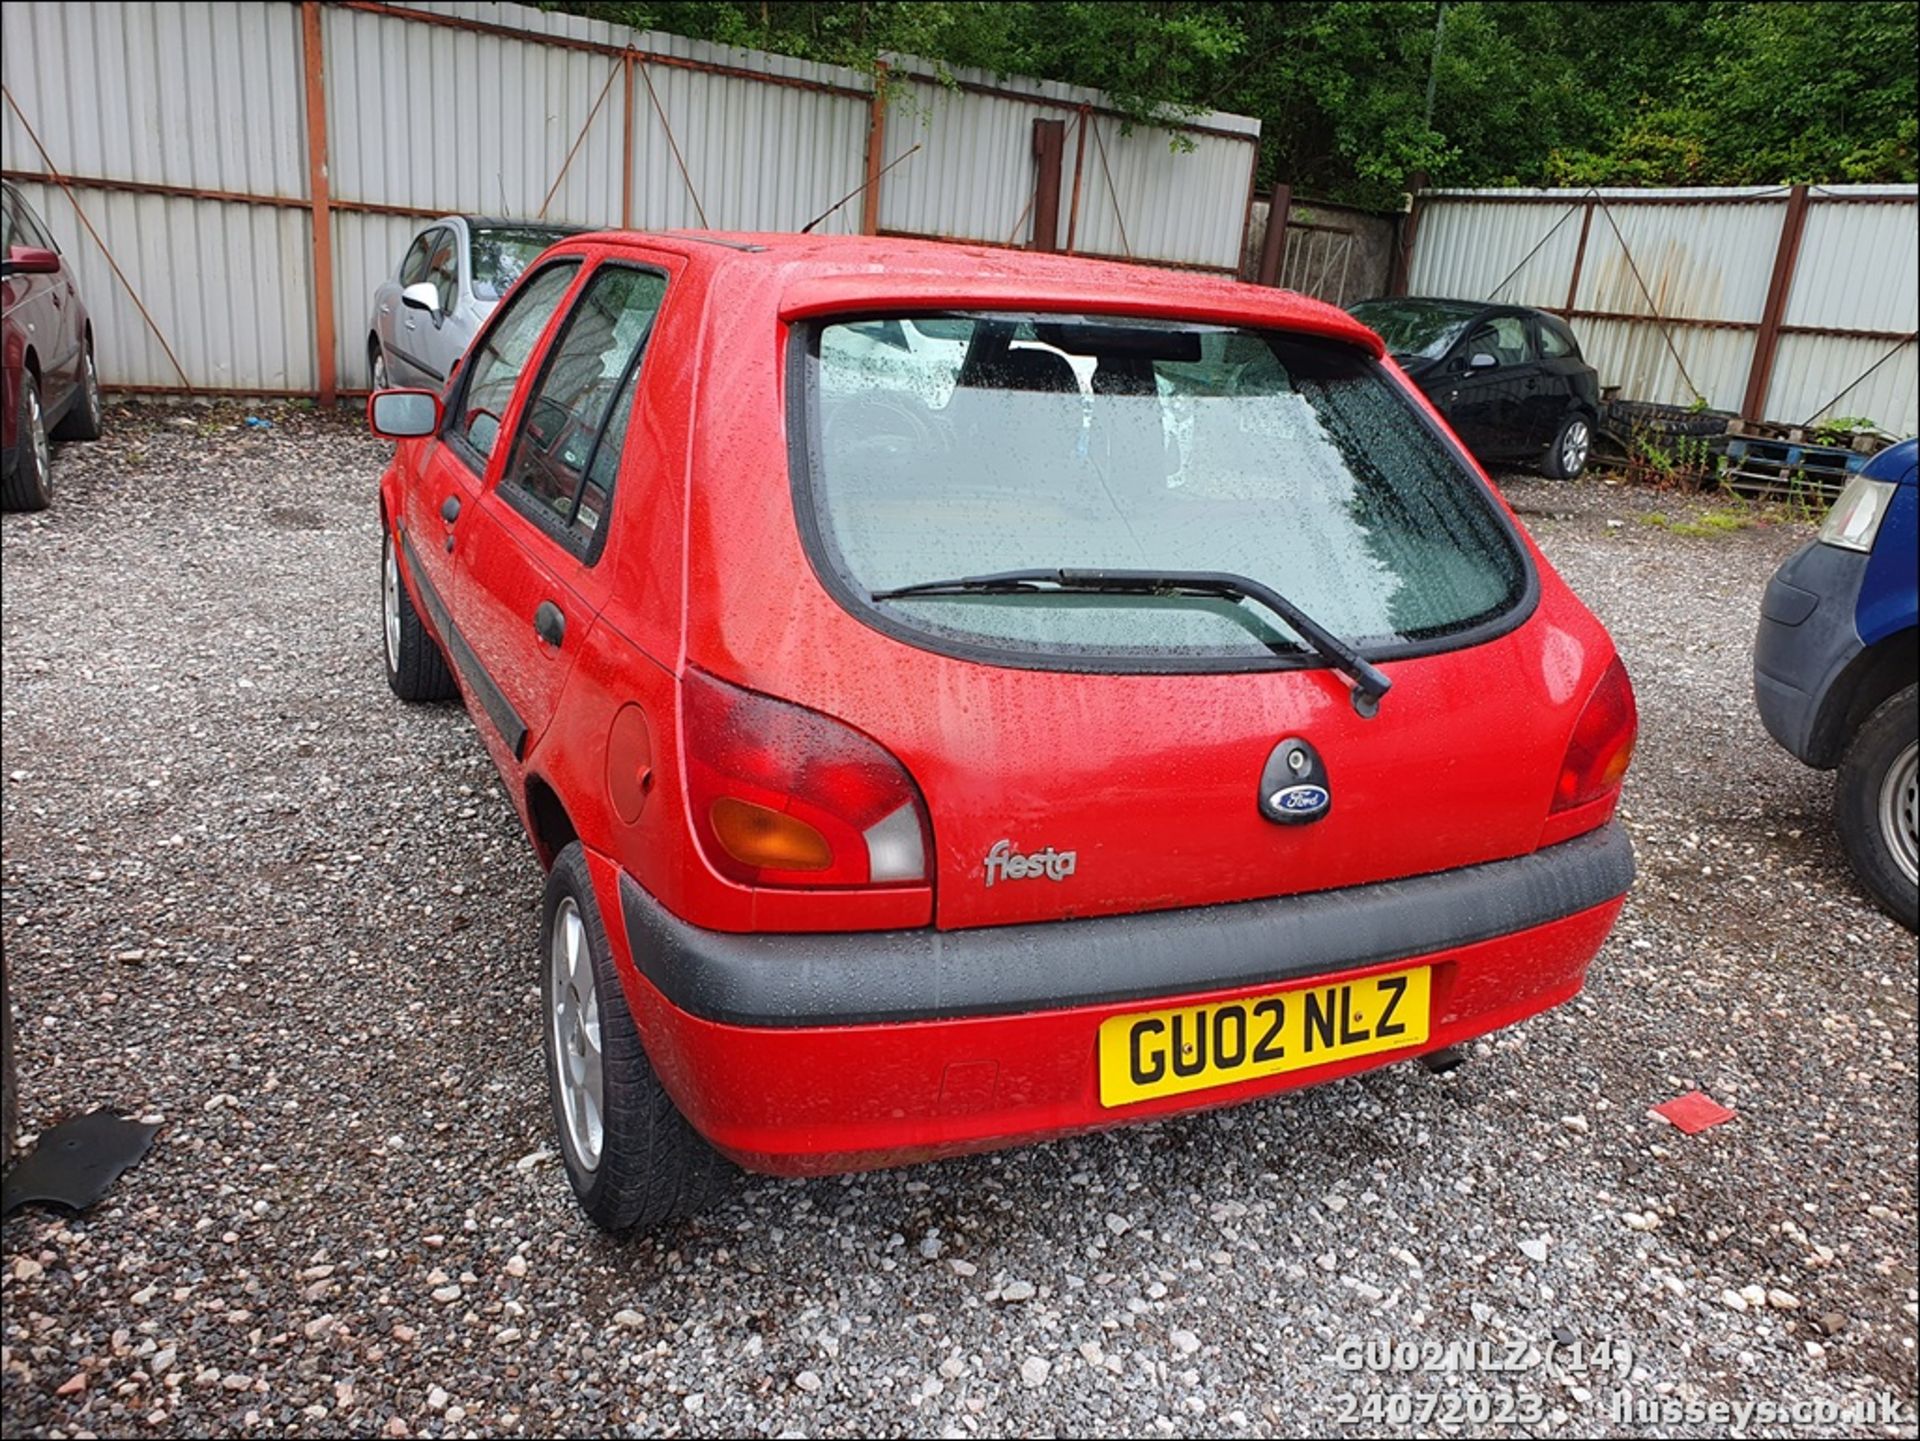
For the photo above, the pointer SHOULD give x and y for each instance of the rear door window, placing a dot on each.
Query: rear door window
(1504, 336)
(567, 452)
(1029, 443)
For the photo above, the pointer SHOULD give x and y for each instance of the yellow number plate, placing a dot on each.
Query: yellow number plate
(1165, 1053)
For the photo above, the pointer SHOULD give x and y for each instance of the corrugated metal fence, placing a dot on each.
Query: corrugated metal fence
(1790, 304)
(256, 168)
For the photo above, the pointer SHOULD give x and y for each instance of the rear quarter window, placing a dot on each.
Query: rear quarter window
(971, 445)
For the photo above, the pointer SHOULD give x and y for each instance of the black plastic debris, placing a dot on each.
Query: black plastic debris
(74, 1163)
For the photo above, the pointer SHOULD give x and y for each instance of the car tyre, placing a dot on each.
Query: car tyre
(633, 1160)
(416, 668)
(30, 485)
(1572, 447)
(377, 376)
(1875, 802)
(83, 421)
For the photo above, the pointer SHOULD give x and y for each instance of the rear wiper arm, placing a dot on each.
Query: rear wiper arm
(1369, 685)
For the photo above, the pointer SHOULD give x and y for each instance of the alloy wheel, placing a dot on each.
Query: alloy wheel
(38, 446)
(390, 605)
(1900, 811)
(92, 392)
(1574, 446)
(579, 1070)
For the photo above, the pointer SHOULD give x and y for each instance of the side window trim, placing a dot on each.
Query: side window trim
(560, 530)
(457, 400)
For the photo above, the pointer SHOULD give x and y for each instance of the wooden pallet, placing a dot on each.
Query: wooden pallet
(1787, 467)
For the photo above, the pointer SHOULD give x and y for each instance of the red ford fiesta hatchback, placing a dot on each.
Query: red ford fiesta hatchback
(965, 697)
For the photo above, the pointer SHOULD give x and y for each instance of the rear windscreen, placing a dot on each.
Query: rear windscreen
(958, 446)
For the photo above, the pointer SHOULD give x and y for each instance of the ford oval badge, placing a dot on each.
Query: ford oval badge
(1294, 786)
(1302, 801)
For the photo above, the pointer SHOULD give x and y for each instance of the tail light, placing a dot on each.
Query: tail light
(785, 796)
(1602, 744)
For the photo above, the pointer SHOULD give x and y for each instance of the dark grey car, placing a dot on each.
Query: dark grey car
(446, 284)
(1510, 380)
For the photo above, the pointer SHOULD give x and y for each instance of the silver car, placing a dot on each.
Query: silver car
(447, 283)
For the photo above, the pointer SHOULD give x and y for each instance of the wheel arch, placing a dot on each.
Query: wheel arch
(548, 824)
(1885, 668)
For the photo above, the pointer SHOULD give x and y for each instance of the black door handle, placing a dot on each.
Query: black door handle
(550, 624)
(450, 509)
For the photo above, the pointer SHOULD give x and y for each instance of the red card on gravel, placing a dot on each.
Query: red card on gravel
(1694, 1112)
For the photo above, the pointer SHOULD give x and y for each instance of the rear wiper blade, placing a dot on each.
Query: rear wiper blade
(1369, 684)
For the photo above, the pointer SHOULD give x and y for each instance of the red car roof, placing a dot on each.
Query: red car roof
(821, 274)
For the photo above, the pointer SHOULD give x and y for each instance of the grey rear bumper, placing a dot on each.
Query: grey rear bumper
(863, 977)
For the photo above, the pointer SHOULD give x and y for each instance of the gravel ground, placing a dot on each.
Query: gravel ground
(247, 892)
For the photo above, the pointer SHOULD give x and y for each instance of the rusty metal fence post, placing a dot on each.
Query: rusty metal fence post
(876, 144)
(313, 54)
(1049, 149)
(1767, 344)
(1273, 245)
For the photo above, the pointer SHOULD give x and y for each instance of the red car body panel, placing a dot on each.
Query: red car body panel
(1148, 777)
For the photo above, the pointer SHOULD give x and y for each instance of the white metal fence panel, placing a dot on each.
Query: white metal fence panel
(1139, 197)
(230, 286)
(193, 95)
(1670, 307)
(1818, 377)
(757, 156)
(1859, 265)
(183, 129)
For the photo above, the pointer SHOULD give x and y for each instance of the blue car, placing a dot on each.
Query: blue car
(1834, 669)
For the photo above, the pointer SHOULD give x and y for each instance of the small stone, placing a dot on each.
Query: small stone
(630, 1319)
(516, 1266)
(1576, 1124)
(396, 1427)
(1754, 1295)
(1335, 1204)
(808, 1381)
(73, 1385)
(1017, 1291)
(1185, 1342)
(446, 1294)
(437, 1399)
(1091, 1353)
(162, 1361)
(1733, 1300)
(1782, 1300)
(962, 1268)
(404, 1333)
(1034, 1371)
(234, 1381)
(1365, 1290)
(1117, 1224)
(1534, 1248)
(26, 1268)
(1832, 1323)
(953, 1368)
(316, 1273)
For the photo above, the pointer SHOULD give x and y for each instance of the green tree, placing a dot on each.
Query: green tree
(1525, 92)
